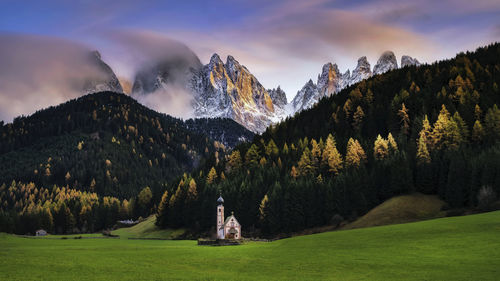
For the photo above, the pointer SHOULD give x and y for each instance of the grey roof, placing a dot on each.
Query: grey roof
(220, 200)
(228, 218)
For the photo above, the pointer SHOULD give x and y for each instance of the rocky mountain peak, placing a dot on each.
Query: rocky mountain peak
(407, 61)
(96, 54)
(329, 80)
(215, 59)
(105, 81)
(361, 72)
(278, 97)
(386, 62)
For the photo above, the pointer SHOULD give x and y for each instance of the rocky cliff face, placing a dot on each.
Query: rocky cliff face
(278, 97)
(407, 61)
(105, 81)
(230, 90)
(331, 81)
(361, 72)
(386, 62)
(305, 98)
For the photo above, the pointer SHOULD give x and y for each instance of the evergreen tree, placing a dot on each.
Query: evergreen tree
(252, 157)
(192, 193)
(212, 176)
(331, 157)
(380, 148)
(234, 162)
(358, 117)
(306, 165)
(404, 119)
(355, 154)
(271, 148)
(162, 214)
(423, 155)
(477, 132)
(393, 146)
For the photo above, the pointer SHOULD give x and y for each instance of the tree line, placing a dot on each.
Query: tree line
(432, 129)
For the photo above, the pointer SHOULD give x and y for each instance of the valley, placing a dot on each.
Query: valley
(457, 248)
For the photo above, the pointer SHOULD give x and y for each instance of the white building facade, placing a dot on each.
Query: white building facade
(229, 228)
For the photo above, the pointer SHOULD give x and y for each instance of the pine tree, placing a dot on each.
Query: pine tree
(331, 156)
(192, 193)
(234, 162)
(285, 149)
(271, 148)
(492, 122)
(263, 161)
(355, 154)
(315, 154)
(477, 132)
(144, 200)
(262, 208)
(462, 127)
(380, 148)
(477, 112)
(358, 117)
(162, 214)
(423, 155)
(252, 156)
(294, 173)
(212, 176)
(393, 146)
(305, 164)
(446, 132)
(404, 119)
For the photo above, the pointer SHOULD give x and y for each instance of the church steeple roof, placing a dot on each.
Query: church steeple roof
(220, 200)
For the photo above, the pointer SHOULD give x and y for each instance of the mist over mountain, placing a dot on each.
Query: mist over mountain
(50, 73)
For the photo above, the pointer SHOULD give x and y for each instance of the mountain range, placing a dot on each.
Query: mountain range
(229, 90)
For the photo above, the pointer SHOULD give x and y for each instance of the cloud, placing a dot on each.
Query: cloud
(146, 54)
(171, 99)
(289, 42)
(38, 72)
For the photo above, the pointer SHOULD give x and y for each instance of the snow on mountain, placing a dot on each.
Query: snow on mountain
(361, 72)
(386, 62)
(230, 90)
(305, 98)
(407, 61)
(278, 97)
(331, 81)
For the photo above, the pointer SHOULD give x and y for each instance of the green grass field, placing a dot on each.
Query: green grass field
(147, 229)
(458, 248)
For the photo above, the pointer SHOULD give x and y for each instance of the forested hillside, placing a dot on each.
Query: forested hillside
(104, 144)
(433, 129)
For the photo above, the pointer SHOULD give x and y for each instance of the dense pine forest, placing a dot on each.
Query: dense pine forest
(432, 129)
(74, 155)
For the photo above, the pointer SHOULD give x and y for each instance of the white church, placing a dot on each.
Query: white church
(229, 228)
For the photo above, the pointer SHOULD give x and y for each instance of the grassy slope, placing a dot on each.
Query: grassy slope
(147, 229)
(401, 209)
(457, 248)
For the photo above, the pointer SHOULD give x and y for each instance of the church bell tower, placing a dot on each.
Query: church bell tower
(220, 218)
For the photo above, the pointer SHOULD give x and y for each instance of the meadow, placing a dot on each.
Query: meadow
(455, 248)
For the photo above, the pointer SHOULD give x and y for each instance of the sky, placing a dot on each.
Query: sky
(282, 42)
